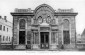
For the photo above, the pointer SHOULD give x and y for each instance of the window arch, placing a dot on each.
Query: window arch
(66, 24)
(40, 19)
(66, 33)
(22, 24)
(48, 19)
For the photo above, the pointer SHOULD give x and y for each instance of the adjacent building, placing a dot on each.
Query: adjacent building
(5, 31)
(81, 40)
(83, 37)
(44, 28)
(78, 38)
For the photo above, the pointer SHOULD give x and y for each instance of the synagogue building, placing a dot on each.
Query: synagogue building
(44, 28)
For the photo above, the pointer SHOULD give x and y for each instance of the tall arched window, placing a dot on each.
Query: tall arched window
(22, 24)
(66, 33)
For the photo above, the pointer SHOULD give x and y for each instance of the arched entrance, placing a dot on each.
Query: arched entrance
(22, 31)
(66, 32)
(44, 37)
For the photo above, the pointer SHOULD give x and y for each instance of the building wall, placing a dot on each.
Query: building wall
(60, 22)
(73, 31)
(15, 30)
(16, 27)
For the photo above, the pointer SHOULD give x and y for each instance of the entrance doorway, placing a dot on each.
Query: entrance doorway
(66, 37)
(44, 40)
(21, 37)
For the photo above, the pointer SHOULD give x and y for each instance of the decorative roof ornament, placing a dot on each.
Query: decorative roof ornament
(23, 10)
(65, 10)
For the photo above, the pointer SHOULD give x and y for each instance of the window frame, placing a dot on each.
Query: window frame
(3, 38)
(0, 27)
(3, 28)
(7, 29)
(20, 24)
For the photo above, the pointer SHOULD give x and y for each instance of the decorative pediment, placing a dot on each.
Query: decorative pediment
(44, 7)
(44, 14)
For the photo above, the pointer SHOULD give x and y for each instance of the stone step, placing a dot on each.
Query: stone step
(20, 47)
(5, 47)
(69, 46)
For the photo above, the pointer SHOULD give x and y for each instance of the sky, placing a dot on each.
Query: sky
(8, 6)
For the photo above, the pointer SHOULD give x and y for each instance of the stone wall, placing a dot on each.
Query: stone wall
(60, 42)
(15, 29)
(73, 31)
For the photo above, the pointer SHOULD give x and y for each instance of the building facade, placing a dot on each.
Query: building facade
(44, 28)
(5, 31)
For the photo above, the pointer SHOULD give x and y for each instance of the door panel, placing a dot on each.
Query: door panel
(21, 37)
(44, 40)
(66, 37)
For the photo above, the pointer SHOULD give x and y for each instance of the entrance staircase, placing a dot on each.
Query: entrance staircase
(21, 47)
(69, 47)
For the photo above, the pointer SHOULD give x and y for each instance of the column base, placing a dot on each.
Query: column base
(35, 46)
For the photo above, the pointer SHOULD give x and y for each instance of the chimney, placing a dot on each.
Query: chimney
(5, 18)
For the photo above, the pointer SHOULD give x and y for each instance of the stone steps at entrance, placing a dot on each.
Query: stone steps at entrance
(69, 46)
(20, 47)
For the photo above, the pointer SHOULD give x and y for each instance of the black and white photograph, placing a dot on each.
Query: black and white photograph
(42, 25)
